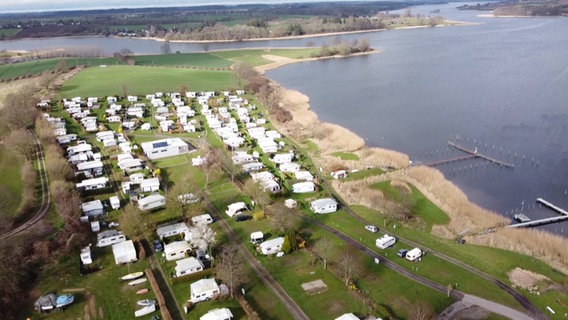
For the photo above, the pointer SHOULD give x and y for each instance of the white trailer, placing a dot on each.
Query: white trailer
(385, 241)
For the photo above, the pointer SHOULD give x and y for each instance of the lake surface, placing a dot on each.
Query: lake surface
(500, 86)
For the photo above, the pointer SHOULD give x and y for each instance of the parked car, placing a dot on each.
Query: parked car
(158, 247)
(402, 253)
(371, 228)
(242, 217)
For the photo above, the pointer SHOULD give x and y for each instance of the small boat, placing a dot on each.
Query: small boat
(64, 300)
(142, 291)
(146, 302)
(132, 276)
(137, 281)
(144, 311)
(521, 217)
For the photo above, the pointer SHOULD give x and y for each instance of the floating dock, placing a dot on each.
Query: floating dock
(533, 223)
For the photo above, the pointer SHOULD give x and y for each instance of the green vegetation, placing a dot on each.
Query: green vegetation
(253, 57)
(11, 183)
(206, 60)
(345, 156)
(16, 70)
(115, 80)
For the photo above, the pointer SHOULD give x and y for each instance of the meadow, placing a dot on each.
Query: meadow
(116, 80)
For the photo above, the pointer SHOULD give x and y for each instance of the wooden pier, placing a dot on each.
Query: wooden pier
(563, 216)
(471, 154)
(480, 155)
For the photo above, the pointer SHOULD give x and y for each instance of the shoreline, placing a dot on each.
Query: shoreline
(468, 220)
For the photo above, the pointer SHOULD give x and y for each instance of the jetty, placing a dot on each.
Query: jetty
(470, 155)
(533, 223)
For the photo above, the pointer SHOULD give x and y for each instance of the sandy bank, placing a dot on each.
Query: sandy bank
(466, 218)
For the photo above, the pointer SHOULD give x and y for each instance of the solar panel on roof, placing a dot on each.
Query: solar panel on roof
(160, 144)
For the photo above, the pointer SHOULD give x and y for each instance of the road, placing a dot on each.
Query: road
(295, 311)
(45, 194)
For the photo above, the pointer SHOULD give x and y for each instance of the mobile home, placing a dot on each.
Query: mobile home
(176, 250)
(203, 289)
(385, 241)
(236, 208)
(303, 187)
(188, 266)
(151, 202)
(124, 252)
(325, 205)
(173, 229)
(92, 208)
(109, 237)
(92, 184)
(271, 246)
(164, 148)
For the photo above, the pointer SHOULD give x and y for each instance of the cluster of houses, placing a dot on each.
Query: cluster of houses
(180, 244)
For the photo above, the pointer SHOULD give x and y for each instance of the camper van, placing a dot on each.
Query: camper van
(256, 237)
(414, 254)
(385, 241)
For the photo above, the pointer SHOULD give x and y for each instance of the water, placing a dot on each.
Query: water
(499, 86)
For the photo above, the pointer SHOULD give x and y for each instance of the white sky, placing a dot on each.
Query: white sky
(56, 5)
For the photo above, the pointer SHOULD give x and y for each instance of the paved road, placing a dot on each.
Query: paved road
(295, 311)
(45, 195)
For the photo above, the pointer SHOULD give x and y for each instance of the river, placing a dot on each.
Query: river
(499, 86)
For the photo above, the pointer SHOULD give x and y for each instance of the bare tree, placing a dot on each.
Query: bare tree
(281, 217)
(125, 89)
(22, 142)
(323, 248)
(179, 199)
(125, 52)
(348, 266)
(19, 110)
(421, 311)
(210, 166)
(203, 237)
(166, 48)
(131, 222)
(231, 267)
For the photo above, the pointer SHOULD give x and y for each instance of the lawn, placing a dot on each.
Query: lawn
(206, 60)
(112, 298)
(11, 182)
(345, 155)
(253, 57)
(10, 71)
(115, 80)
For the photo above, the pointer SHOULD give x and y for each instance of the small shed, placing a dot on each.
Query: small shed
(203, 289)
(124, 252)
(176, 250)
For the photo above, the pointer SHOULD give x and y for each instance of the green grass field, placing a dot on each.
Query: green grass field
(254, 57)
(204, 60)
(11, 182)
(10, 71)
(345, 155)
(142, 80)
